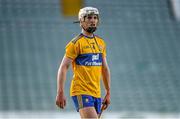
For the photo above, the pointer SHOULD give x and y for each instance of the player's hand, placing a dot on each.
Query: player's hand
(61, 100)
(106, 100)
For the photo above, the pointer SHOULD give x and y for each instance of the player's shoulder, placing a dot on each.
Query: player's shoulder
(76, 38)
(98, 37)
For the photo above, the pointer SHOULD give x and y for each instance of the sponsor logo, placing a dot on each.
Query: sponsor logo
(89, 59)
(94, 62)
(86, 47)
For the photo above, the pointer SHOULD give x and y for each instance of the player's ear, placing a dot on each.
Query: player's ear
(80, 23)
(98, 21)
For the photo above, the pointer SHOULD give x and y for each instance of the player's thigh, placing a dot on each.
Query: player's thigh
(88, 112)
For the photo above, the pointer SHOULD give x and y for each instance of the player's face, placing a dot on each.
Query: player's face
(90, 21)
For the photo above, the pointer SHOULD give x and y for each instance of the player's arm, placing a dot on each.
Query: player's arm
(61, 77)
(106, 81)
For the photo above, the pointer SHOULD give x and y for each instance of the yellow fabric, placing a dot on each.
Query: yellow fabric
(86, 79)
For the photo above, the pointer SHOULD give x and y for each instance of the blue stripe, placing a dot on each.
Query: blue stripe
(91, 59)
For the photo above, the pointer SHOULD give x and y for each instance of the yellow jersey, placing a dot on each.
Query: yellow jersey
(86, 53)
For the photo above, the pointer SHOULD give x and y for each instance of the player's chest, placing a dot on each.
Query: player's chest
(89, 46)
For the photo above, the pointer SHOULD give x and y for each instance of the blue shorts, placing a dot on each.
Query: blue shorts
(82, 101)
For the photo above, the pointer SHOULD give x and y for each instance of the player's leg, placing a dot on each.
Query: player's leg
(88, 112)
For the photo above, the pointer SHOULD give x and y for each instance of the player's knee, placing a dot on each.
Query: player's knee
(88, 112)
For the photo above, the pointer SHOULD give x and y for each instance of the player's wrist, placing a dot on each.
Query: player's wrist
(60, 92)
(108, 91)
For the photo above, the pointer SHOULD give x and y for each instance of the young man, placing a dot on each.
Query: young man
(87, 53)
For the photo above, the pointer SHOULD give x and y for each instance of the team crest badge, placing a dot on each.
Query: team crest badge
(86, 100)
(100, 48)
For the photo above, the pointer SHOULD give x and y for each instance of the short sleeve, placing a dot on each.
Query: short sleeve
(104, 49)
(71, 50)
